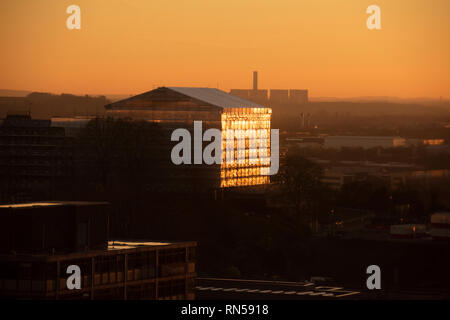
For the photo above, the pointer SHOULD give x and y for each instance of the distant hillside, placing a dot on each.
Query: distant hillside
(117, 97)
(24, 93)
(387, 99)
(13, 93)
(46, 105)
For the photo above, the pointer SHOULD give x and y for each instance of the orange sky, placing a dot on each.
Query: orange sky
(127, 47)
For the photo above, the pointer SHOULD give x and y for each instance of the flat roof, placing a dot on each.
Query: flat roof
(263, 289)
(114, 247)
(119, 244)
(50, 204)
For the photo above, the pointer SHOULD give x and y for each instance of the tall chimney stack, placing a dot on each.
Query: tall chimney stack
(255, 80)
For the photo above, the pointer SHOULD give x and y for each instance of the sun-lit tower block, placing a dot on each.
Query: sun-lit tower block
(251, 127)
(179, 107)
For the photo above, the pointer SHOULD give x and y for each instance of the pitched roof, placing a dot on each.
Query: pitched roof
(209, 96)
(216, 97)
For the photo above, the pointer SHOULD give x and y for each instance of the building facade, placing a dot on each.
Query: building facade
(46, 238)
(34, 158)
(178, 107)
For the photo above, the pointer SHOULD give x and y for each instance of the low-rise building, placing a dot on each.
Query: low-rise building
(336, 174)
(365, 142)
(41, 240)
(35, 158)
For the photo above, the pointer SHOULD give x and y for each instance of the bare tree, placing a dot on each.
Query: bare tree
(300, 180)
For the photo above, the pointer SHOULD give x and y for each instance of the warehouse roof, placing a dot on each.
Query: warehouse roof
(209, 96)
(216, 97)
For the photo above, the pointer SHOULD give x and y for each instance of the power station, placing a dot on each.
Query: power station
(277, 96)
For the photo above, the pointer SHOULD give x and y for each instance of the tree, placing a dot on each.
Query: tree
(301, 182)
(120, 151)
(121, 161)
(372, 193)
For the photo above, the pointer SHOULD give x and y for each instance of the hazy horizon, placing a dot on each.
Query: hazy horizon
(24, 93)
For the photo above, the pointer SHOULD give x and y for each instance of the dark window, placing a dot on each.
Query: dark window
(82, 235)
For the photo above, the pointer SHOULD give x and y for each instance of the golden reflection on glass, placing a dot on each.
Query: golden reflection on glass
(246, 142)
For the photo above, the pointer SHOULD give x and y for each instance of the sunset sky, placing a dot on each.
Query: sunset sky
(131, 46)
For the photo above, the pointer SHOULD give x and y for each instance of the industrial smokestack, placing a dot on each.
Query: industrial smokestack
(255, 80)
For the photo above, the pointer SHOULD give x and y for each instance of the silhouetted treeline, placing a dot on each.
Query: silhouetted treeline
(46, 105)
